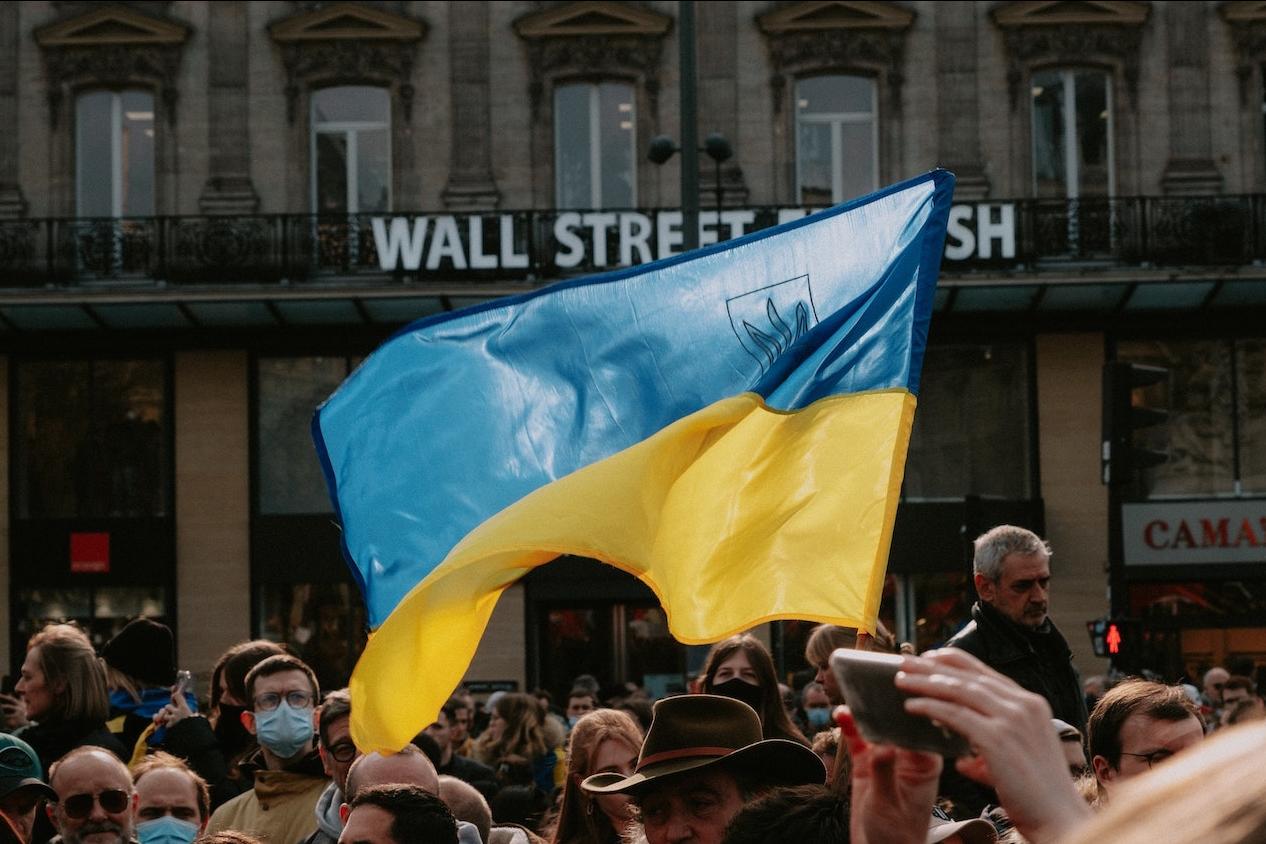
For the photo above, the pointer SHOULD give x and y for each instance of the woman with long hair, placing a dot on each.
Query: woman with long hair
(741, 667)
(825, 638)
(63, 688)
(605, 740)
(516, 738)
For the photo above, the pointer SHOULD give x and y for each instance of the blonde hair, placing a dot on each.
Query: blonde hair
(577, 820)
(1215, 794)
(73, 673)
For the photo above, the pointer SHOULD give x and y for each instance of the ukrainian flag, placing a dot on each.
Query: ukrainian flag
(729, 425)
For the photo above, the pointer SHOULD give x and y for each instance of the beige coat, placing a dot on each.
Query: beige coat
(280, 809)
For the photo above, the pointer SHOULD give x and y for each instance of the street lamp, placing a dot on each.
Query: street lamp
(715, 146)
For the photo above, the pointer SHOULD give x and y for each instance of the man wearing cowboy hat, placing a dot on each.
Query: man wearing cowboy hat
(702, 758)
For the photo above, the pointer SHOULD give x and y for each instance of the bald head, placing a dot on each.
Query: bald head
(466, 804)
(408, 767)
(105, 780)
(1214, 682)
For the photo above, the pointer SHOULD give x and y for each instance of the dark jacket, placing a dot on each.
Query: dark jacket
(193, 740)
(1038, 660)
(53, 740)
(469, 771)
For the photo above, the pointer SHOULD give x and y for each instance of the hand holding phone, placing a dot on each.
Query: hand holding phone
(868, 683)
(1011, 729)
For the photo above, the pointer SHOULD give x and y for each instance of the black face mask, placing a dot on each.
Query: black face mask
(229, 731)
(740, 690)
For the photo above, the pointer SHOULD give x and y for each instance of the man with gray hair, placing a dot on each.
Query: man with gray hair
(1011, 630)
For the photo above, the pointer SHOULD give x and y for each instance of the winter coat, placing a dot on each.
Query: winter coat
(54, 739)
(280, 808)
(329, 824)
(1038, 660)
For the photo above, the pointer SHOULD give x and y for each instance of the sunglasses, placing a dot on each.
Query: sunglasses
(79, 806)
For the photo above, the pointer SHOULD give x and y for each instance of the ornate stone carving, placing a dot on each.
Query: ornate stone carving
(826, 34)
(113, 45)
(597, 55)
(881, 50)
(1248, 31)
(1071, 32)
(345, 60)
(1072, 43)
(348, 42)
(598, 38)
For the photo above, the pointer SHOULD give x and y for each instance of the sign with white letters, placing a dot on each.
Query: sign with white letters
(585, 240)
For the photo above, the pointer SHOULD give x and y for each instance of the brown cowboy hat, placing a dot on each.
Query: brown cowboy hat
(695, 731)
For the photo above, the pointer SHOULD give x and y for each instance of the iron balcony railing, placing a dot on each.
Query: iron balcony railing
(994, 235)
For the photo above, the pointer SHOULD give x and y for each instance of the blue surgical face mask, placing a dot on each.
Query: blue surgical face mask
(166, 830)
(285, 731)
(819, 717)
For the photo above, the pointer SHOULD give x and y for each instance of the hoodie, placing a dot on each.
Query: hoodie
(329, 824)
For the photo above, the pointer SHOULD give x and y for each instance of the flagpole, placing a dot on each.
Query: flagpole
(689, 126)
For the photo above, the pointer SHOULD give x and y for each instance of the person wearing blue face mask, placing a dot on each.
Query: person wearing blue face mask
(289, 779)
(817, 707)
(173, 803)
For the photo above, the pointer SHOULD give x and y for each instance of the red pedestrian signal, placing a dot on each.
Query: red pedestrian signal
(1113, 638)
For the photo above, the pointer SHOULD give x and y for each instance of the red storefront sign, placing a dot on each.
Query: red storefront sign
(90, 553)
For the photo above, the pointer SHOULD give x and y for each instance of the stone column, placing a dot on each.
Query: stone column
(470, 180)
(228, 189)
(1190, 169)
(716, 31)
(12, 203)
(213, 526)
(957, 97)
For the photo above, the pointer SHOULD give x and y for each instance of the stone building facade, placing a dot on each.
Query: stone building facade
(179, 246)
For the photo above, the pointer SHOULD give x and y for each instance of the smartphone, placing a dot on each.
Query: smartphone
(184, 682)
(867, 680)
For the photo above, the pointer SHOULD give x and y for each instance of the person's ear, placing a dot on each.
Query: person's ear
(248, 721)
(327, 762)
(343, 811)
(52, 815)
(1104, 772)
(985, 588)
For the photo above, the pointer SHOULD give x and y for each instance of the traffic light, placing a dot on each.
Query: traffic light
(1120, 458)
(1118, 638)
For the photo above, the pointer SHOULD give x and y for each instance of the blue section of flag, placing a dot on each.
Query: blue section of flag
(460, 415)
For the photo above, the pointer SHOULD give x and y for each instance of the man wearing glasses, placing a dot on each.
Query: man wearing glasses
(282, 694)
(95, 798)
(1136, 726)
(337, 754)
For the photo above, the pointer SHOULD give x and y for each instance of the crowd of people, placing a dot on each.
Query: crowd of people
(112, 747)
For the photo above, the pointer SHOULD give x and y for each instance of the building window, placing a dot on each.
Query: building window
(304, 594)
(114, 154)
(289, 474)
(92, 439)
(351, 150)
(972, 430)
(1215, 434)
(595, 127)
(837, 139)
(1072, 134)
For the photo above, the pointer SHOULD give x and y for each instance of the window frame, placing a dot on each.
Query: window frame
(836, 121)
(1072, 167)
(350, 130)
(117, 164)
(596, 200)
